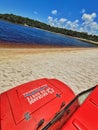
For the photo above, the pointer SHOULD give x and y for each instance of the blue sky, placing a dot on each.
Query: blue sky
(79, 15)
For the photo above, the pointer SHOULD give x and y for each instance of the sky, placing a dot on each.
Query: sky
(78, 15)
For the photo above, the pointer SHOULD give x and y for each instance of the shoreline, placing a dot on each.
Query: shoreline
(81, 39)
(21, 48)
(16, 51)
(88, 41)
(5, 44)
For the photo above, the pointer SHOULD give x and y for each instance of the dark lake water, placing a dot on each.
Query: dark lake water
(21, 34)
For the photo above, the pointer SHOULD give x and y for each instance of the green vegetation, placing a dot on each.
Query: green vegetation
(33, 23)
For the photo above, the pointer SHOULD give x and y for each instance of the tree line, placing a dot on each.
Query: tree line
(34, 23)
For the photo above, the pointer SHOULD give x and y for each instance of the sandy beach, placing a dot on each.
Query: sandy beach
(77, 67)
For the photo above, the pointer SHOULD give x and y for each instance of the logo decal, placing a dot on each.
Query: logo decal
(36, 94)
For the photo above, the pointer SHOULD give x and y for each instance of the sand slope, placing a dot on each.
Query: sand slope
(77, 68)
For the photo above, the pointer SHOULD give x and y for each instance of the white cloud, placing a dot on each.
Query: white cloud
(81, 29)
(72, 25)
(62, 20)
(94, 25)
(54, 12)
(63, 23)
(50, 18)
(56, 22)
(91, 28)
(52, 21)
(88, 17)
(89, 25)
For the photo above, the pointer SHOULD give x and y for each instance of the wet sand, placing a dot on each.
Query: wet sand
(77, 67)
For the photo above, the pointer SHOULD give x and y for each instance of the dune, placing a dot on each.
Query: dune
(77, 67)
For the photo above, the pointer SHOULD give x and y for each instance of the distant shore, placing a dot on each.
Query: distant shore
(85, 40)
(81, 39)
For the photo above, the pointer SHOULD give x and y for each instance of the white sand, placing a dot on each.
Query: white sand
(77, 68)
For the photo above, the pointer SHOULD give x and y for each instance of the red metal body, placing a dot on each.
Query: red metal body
(86, 116)
(27, 106)
(33, 105)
